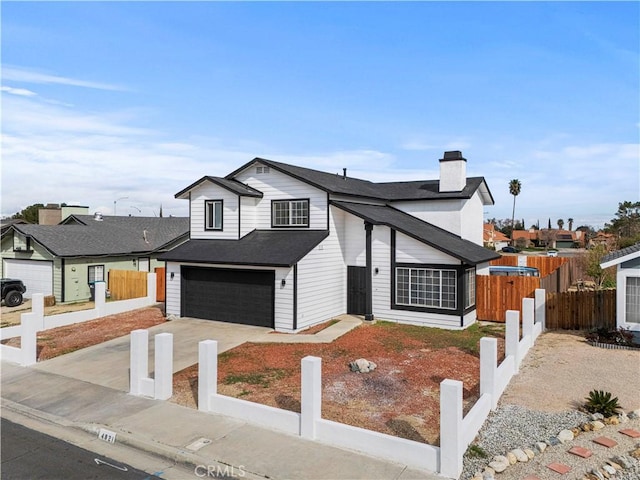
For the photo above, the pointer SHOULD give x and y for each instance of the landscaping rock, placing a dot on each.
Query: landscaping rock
(587, 427)
(635, 453)
(565, 436)
(520, 455)
(553, 441)
(635, 414)
(609, 469)
(597, 416)
(499, 466)
(362, 365)
(611, 421)
(489, 474)
(597, 425)
(541, 446)
(623, 417)
(596, 473)
(512, 458)
(614, 465)
(529, 453)
(623, 460)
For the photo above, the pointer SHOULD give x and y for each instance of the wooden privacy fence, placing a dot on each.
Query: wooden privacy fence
(127, 284)
(546, 265)
(581, 310)
(497, 294)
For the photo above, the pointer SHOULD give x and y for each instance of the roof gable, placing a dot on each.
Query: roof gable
(233, 186)
(422, 231)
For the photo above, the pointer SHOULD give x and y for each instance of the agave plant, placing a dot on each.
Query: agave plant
(600, 401)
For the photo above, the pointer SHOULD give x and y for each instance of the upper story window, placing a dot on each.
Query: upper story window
(290, 213)
(213, 215)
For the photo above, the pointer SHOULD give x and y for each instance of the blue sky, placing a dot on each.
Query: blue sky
(108, 100)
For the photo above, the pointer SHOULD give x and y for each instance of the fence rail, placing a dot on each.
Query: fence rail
(581, 310)
(127, 284)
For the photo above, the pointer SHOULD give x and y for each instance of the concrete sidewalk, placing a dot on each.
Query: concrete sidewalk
(166, 429)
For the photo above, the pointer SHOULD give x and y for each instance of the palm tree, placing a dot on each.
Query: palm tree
(560, 223)
(514, 189)
(570, 224)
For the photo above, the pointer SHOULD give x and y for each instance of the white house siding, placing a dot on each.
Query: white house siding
(322, 277)
(356, 241)
(472, 215)
(209, 191)
(247, 215)
(172, 295)
(626, 271)
(442, 213)
(278, 186)
(410, 250)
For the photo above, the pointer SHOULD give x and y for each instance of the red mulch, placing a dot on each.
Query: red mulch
(401, 397)
(62, 340)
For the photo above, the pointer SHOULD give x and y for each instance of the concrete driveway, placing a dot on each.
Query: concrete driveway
(107, 364)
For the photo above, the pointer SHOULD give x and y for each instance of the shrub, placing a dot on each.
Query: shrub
(601, 402)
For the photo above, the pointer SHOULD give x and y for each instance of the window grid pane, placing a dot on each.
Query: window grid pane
(289, 213)
(632, 302)
(426, 287)
(470, 288)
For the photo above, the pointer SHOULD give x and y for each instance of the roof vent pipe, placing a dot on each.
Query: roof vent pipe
(97, 216)
(344, 173)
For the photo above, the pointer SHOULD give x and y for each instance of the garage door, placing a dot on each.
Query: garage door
(37, 276)
(237, 296)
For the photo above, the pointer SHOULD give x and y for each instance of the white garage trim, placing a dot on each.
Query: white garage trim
(36, 275)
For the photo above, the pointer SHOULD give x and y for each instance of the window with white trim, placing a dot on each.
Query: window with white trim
(469, 287)
(426, 287)
(290, 213)
(213, 214)
(632, 300)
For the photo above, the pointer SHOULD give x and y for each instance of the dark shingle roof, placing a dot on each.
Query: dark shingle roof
(81, 235)
(422, 231)
(278, 248)
(620, 253)
(350, 186)
(232, 185)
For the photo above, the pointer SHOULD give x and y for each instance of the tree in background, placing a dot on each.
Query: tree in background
(626, 224)
(594, 270)
(560, 223)
(514, 189)
(549, 227)
(29, 214)
(570, 223)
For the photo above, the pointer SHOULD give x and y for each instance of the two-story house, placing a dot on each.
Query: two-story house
(287, 247)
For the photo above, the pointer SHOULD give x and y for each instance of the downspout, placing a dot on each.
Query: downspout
(368, 312)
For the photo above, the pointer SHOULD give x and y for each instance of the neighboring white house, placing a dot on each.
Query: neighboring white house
(628, 285)
(289, 247)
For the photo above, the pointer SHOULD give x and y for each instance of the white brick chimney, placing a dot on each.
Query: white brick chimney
(453, 172)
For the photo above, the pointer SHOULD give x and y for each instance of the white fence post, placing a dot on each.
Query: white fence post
(488, 368)
(29, 339)
(451, 428)
(99, 295)
(512, 339)
(163, 368)
(528, 312)
(311, 396)
(37, 308)
(541, 305)
(151, 288)
(207, 373)
(139, 360)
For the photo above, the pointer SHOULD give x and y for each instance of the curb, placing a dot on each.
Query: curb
(138, 442)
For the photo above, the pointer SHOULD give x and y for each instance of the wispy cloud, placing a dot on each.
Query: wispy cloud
(23, 92)
(20, 74)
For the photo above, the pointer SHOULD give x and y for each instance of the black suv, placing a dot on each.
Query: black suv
(12, 291)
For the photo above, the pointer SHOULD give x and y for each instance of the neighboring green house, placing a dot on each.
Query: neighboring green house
(65, 259)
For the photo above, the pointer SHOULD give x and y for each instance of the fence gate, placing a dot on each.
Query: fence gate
(496, 294)
(581, 310)
(127, 284)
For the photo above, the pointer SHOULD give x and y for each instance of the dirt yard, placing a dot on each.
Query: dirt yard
(11, 315)
(401, 397)
(59, 341)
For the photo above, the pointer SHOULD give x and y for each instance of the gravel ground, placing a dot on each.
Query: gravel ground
(543, 399)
